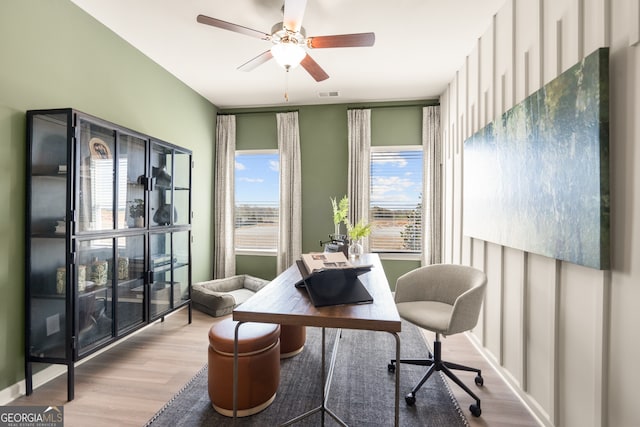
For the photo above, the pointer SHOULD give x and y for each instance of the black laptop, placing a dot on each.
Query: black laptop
(335, 286)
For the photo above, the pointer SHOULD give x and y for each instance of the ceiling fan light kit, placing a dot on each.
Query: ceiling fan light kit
(288, 55)
(287, 48)
(289, 41)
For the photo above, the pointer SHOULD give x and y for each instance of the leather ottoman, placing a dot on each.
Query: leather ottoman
(292, 339)
(258, 366)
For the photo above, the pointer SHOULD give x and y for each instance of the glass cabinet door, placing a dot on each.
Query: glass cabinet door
(181, 249)
(182, 187)
(128, 272)
(161, 185)
(96, 176)
(170, 267)
(47, 298)
(94, 310)
(131, 182)
(160, 263)
(48, 238)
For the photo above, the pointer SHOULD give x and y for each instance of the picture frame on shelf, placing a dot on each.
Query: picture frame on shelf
(99, 149)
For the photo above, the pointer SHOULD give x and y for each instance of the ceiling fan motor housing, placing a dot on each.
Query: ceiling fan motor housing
(280, 34)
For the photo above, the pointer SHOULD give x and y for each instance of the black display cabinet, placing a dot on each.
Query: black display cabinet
(108, 235)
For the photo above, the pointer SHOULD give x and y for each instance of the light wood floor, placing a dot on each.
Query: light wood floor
(128, 384)
(500, 406)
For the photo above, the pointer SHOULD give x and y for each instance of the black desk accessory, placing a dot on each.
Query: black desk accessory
(334, 286)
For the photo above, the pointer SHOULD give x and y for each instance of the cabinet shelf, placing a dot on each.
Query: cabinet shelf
(54, 175)
(48, 236)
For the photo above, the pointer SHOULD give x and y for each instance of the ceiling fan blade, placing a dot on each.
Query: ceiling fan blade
(293, 14)
(314, 69)
(203, 19)
(342, 40)
(258, 60)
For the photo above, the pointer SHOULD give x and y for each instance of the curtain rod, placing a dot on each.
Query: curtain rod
(376, 107)
(257, 112)
(373, 107)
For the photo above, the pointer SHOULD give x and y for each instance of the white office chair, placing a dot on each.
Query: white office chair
(444, 299)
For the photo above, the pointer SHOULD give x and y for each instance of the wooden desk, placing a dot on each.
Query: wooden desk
(281, 302)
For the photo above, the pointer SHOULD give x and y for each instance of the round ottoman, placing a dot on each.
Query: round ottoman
(292, 339)
(258, 366)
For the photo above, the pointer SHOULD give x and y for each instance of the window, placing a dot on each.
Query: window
(395, 204)
(257, 195)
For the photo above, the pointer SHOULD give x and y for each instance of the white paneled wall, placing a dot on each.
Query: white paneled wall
(565, 336)
(513, 312)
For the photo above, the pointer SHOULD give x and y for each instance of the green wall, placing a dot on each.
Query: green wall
(55, 55)
(323, 150)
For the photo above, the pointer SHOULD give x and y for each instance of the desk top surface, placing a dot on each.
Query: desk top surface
(281, 302)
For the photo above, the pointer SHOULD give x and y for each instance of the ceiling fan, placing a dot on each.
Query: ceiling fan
(289, 40)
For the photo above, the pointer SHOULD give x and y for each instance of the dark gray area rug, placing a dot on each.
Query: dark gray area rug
(361, 392)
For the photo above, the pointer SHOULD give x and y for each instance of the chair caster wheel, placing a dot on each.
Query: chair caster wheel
(475, 410)
(391, 367)
(410, 399)
(479, 381)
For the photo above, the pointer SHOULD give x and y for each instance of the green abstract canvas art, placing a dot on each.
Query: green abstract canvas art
(537, 178)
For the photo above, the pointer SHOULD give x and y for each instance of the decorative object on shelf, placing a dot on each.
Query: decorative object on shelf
(136, 211)
(163, 215)
(82, 277)
(163, 179)
(99, 149)
(122, 266)
(61, 280)
(356, 234)
(61, 227)
(99, 272)
(82, 285)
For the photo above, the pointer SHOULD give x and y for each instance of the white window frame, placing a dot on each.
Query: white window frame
(408, 256)
(256, 252)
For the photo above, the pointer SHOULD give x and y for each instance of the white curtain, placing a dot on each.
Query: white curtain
(432, 191)
(359, 135)
(290, 233)
(224, 259)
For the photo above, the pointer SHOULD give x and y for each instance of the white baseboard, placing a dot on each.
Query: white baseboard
(532, 406)
(51, 372)
(39, 378)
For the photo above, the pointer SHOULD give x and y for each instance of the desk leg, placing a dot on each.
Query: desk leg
(323, 377)
(235, 372)
(325, 383)
(397, 415)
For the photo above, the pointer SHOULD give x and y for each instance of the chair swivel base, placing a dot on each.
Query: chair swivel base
(436, 363)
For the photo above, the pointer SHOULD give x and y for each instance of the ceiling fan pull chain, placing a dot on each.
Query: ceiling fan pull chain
(286, 86)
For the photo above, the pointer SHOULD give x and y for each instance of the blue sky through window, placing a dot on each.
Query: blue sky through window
(396, 177)
(257, 178)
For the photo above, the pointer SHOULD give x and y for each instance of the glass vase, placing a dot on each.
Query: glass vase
(336, 236)
(355, 249)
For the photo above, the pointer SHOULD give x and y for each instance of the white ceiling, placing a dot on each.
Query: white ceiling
(420, 44)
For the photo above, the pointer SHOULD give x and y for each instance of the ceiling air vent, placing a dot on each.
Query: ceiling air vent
(331, 94)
